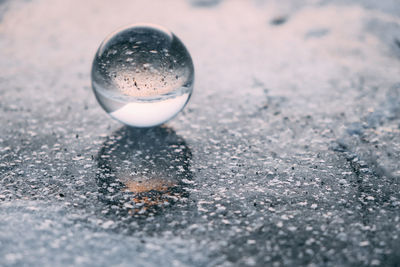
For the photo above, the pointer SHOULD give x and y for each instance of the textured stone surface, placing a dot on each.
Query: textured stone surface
(287, 154)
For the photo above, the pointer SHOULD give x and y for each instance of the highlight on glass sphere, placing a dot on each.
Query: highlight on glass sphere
(142, 75)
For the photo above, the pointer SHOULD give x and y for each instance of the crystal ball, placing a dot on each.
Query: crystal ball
(142, 75)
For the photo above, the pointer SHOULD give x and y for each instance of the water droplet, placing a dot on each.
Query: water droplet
(146, 92)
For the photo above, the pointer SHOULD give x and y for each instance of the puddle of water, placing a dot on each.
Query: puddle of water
(142, 171)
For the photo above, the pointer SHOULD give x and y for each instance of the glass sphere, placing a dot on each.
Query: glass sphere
(142, 75)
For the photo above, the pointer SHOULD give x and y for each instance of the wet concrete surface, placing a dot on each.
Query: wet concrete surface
(287, 154)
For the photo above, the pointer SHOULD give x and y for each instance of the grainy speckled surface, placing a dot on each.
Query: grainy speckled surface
(288, 153)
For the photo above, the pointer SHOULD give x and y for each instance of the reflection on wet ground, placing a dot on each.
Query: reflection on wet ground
(143, 171)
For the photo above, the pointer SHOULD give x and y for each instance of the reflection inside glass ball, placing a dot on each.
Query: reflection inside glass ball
(142, 75)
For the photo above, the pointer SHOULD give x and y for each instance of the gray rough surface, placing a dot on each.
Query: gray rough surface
(288, 153)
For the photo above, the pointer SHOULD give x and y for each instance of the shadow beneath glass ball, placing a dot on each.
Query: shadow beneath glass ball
(142, 172)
